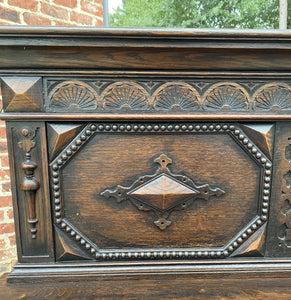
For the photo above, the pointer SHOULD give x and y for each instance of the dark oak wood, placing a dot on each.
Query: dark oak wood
(165, 286)
(155, 163)
(138, 49)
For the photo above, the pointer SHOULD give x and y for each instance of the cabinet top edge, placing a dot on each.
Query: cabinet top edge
(143, 49)
(97, 34)
(143, 32)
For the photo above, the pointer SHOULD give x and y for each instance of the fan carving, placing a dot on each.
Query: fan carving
(125, 96)
(273, 98)
(176, 96)
(73, 95)
(226, 98)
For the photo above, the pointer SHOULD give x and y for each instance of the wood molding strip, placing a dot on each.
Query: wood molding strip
(135, 116)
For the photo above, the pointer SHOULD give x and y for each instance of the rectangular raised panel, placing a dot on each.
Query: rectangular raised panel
(159, 189)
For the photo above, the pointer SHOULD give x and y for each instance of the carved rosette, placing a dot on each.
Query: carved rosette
(273, 97)
(226, 97)
(162, 192)
(125, 96)
(73, 96)
(244, 237)
(176, 96)
(30, 184)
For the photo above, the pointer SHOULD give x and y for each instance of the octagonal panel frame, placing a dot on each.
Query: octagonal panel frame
(93, 128)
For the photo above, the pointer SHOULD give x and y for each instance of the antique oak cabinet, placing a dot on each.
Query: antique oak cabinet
(148, 152)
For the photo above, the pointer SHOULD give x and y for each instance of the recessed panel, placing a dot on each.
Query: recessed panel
(112, 159)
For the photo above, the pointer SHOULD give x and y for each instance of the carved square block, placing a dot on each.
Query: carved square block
(22, 94)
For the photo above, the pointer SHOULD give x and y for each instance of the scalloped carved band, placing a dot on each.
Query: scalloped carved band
(152, 96)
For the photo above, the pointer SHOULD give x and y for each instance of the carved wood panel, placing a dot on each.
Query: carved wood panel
(27, 147)
(231, 223)
(279, 242)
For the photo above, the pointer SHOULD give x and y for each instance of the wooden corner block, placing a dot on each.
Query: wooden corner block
(22, 94)
(66, 250)
(254, 246)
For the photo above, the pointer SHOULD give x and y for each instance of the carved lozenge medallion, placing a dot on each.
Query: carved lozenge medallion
(163, 192)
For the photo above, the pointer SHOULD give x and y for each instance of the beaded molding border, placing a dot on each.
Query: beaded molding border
(92, 128)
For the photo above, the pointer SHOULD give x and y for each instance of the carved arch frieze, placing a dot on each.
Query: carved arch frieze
(172, 96)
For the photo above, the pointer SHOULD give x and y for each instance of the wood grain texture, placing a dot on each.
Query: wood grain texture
(118, 117)
(140, 50)
(171, 287)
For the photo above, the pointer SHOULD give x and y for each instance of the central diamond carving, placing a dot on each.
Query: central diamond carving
(163, 192)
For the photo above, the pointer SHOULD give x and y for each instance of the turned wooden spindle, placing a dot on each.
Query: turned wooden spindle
(30, 185)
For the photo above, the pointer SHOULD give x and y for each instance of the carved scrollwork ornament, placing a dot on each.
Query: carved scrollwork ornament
(163, 192)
